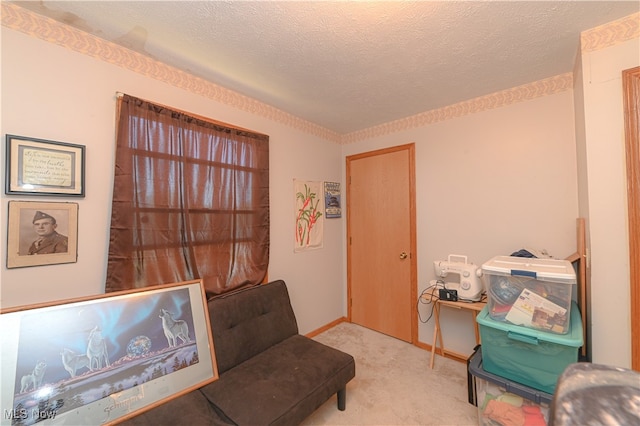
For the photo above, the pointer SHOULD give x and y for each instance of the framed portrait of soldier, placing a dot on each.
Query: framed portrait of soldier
(42, 233)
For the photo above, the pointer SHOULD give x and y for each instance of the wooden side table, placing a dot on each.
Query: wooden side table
(473, 307)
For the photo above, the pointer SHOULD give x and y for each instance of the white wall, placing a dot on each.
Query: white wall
(602, 159)
(489, 184)
(53, 93)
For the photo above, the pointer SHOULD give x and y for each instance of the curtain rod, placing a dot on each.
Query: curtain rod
(197, 116)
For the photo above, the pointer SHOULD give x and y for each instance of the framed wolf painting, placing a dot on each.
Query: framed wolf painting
(104, 359)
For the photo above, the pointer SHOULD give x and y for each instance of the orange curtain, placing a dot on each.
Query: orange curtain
(190, 201)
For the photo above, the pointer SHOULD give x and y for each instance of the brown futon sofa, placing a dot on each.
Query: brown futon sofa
(269, 374)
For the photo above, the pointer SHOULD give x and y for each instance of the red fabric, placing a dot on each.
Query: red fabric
(504, 413)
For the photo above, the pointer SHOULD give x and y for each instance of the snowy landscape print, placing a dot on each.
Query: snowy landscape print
(75, 355)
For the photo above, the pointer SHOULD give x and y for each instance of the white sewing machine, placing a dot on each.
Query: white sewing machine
(470, 287)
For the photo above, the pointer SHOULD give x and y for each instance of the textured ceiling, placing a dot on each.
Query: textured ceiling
(347, 65)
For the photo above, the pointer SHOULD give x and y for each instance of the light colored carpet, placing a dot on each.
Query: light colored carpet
(394, 384)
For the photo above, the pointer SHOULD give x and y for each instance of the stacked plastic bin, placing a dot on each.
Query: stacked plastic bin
(501, 401)
(530, 330)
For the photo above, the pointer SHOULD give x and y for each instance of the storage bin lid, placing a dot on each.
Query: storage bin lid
(560, 271)
(573, 338)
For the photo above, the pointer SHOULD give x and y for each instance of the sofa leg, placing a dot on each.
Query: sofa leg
(342, 399)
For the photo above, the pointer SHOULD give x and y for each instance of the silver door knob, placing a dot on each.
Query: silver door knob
(403, 255)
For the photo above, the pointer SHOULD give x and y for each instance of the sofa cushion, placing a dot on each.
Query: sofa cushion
(247, 322)
(282, 384)
(192, 408)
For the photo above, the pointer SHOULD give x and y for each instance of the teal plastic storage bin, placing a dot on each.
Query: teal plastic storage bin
(531, 357)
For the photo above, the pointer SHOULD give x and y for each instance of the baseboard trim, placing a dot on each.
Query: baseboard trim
(456, 356)
(447, 353)
(326, 327)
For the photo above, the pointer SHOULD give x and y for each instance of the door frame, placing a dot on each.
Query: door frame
(631, 94)
(413, 257)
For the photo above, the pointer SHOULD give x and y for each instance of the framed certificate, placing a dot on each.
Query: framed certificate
(42, 167)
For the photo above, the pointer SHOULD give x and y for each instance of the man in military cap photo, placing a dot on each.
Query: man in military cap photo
(48, 241)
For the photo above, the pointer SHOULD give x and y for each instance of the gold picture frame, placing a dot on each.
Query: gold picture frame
(103, 359)
(43, 167)
(42, 233)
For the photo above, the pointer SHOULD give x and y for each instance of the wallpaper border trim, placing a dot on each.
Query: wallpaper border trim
(52, 31)
(525, 92)
(611, 33)
(34, 25)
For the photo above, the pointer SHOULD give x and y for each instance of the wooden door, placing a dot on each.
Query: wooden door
(381, 247)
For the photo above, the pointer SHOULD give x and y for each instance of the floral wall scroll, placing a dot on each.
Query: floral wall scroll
(308, 215)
